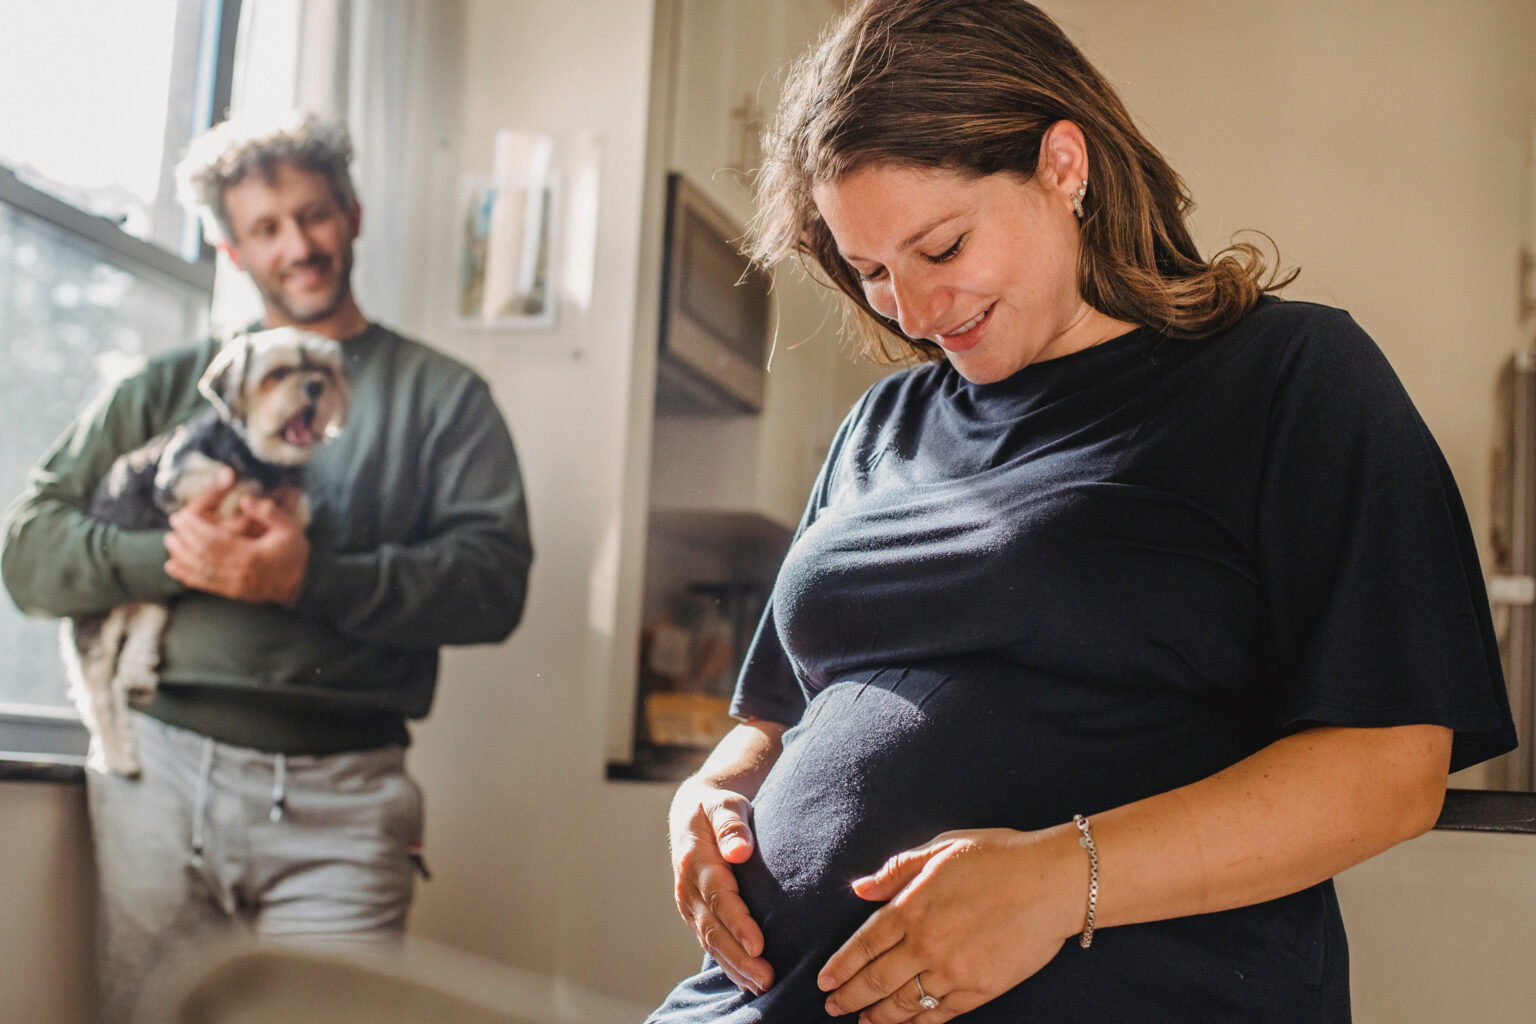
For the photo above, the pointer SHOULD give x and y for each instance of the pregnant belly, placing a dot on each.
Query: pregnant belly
(887, 761)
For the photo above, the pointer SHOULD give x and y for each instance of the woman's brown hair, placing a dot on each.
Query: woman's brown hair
(972, 86)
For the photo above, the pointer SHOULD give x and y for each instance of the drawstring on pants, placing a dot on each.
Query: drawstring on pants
(279, 788)
(200, 811)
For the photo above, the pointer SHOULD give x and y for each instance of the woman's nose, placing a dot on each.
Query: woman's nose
(919, 306)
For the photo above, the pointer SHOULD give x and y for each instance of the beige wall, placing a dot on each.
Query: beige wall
(1383, 144)
(1441, 929)
(45, 904)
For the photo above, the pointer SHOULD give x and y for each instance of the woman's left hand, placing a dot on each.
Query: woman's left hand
(971, 914)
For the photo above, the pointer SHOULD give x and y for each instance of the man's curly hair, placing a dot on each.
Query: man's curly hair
(230, 152)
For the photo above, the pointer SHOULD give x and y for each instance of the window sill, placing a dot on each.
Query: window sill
(28, 768)
(41, 745)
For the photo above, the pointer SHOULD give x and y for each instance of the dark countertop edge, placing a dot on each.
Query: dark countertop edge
(30, 768)
(1476, 810)
(664, 765)
(1466, 810)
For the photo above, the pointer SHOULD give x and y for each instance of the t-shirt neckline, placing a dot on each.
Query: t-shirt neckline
(1093, 359)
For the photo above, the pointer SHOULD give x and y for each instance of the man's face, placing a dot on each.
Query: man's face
(295, 240)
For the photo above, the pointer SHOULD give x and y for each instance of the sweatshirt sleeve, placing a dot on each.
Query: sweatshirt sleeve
(464, 577)
(56, 560)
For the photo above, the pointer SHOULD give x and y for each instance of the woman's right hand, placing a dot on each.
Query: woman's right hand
(710, 828)
(710, 831)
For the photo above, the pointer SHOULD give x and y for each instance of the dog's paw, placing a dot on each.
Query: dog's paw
(139, 689)
(106, 759)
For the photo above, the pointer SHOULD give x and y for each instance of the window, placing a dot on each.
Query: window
(99, 266)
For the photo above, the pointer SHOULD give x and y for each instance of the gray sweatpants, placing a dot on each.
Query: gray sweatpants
(213, 843)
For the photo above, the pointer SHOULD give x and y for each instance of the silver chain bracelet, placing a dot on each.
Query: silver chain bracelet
(1086, 842)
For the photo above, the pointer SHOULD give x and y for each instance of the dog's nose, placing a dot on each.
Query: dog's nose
(312, 388)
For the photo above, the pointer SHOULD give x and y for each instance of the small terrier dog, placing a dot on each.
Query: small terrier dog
(275, 396)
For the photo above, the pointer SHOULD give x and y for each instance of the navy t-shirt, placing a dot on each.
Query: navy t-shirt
(1111, 574)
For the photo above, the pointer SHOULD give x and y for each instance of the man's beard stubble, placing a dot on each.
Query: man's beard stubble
(275, 298)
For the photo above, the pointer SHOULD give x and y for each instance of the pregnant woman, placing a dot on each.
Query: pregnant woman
(1113, 630)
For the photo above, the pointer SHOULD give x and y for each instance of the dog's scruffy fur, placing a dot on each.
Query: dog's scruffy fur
(275, 396)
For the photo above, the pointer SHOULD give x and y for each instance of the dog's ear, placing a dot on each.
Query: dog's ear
(223, 383)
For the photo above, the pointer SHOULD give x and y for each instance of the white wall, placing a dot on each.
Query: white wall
(537, 859)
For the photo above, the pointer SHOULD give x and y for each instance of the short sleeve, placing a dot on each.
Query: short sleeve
(769, 687)
(1376, 601)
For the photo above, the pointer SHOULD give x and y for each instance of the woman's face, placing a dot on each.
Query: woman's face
(985, 267)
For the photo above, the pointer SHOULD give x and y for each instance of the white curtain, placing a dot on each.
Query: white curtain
(352, 60)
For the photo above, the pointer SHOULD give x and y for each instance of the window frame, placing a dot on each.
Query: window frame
(47, 743)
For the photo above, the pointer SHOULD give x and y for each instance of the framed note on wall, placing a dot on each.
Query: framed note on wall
(507, 264)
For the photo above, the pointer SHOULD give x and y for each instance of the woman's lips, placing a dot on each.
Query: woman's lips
(968, 334)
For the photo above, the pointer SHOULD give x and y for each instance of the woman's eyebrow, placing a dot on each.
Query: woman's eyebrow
(918, 235)
(910, 240)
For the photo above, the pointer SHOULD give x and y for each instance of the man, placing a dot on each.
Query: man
(273, 798)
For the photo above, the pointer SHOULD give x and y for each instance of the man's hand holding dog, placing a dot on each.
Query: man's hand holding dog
(258, 554)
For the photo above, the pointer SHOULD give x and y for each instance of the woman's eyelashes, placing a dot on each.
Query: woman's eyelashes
(947, 254)
(877, 273)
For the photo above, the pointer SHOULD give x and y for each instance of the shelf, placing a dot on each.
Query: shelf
(653, 763)
(718, 528)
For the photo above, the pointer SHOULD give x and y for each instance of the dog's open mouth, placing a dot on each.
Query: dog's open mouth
(299, 431)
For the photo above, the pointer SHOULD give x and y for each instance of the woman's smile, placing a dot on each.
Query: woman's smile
(967, 335)
(984, 266)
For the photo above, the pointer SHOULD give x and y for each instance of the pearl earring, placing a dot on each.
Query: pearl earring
(1077, 199)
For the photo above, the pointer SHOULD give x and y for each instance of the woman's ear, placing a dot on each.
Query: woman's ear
(1063, 159)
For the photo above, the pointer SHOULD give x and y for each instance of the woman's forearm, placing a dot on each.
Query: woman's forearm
(980, 910)
(742, 759)
(1293, 814)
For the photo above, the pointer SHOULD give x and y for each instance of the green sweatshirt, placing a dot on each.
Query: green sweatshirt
(419, 538)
